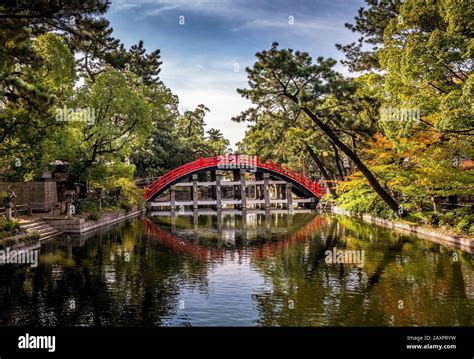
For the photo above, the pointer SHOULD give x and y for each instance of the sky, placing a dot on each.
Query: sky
(206, 44)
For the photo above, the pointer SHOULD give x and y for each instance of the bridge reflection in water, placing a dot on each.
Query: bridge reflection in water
(259, 269)
(257, 230)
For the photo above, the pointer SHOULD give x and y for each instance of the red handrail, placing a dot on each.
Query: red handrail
(228, 162)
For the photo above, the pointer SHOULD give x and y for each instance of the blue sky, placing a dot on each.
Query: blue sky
(204, 59)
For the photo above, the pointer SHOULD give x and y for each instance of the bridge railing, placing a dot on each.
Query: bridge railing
(313, 186)
(178, 172)
(229, 162)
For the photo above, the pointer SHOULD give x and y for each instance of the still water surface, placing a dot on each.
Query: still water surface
(264, 270)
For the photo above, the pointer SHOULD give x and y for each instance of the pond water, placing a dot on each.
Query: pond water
(274, 269)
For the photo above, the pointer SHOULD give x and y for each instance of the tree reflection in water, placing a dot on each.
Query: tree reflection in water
(258, 269)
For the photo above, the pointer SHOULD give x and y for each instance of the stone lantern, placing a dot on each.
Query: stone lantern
(100, 192)
(70, 210)
(8, 202)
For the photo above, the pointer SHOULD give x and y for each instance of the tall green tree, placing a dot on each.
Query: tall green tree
(36, 72)
(428, 55)
(291, 81)
(29, 96)
(370, 23)
(217, 143)
(191, 129)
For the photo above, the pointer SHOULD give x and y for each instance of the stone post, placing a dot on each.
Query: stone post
(235, 189)
(266, 189)
(173, 197)
(100, 192)
(289, 197)
(217, 189)
(243, 189)
(195, 192)
(70, 210)
(9, 205)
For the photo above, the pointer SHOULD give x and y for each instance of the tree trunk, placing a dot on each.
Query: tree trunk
(323, 170)
(338, 161)
(435, 204)
(386, 197)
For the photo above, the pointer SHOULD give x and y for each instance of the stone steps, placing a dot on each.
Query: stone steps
(44, 230)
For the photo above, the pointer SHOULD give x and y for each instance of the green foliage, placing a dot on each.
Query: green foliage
(461, 220)
(130, 193)
(86, 205)
(122, 120)
(125, 205)
(217, 143)
(428, 53)
(94, 216)
(37, 70)
(16, 238)
(305, 114)
(9, 227)
(289, 82)
(370, 24)
(425, 48)
(177, 139)
(27, 120)
(34, 236)
(135, 117)
(363, 200)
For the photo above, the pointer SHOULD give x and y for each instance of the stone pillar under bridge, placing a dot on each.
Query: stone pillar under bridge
(289, 196)
(236, 188)
(259, 188)
(266, 189)
(217, 189)
(243, 190)
(173, 198)
(194, 192)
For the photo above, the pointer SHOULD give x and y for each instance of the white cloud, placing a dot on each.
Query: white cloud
(213, 85)
(209, 77)
(304, 26)
(162, 9)
(157, 7)
(223, 105)
(120, 5)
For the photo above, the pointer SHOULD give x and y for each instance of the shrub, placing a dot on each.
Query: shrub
(364, 200)
(430, 218)
(125, 205)
(95, 216)
(86, 205)
(33, 236)
(460, 220)
(471, 230)
(8, 227)
(131, 197)
(14, 239)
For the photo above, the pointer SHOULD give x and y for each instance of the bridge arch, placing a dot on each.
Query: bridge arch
(300, 183)
(202, 251)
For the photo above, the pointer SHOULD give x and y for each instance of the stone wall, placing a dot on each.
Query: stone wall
(83, 225)
(42, 194)
(434, 235)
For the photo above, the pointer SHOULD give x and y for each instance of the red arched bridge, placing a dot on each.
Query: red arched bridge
(252, 183)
